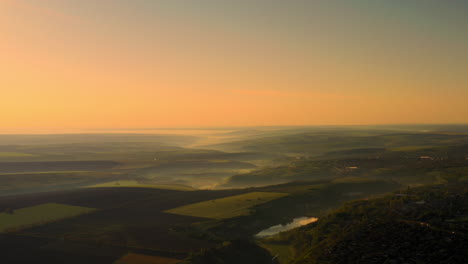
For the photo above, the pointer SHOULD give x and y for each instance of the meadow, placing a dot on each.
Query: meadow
(15, 154)
(228, 207)
(17, 219)
(136, 184)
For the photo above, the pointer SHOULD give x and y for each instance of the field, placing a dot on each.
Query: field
(16, 183)
(227, 207)
(145, 259)
(38, 163)
(319, 141)
(126, 218)
(158, 201)
(135, 220)
(296, 188)
(50, 166)
(37, 215)
(136, 184)
(283, 252)
(15, 154)
(41, 163)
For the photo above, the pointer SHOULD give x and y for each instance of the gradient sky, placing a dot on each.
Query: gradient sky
(74, 65)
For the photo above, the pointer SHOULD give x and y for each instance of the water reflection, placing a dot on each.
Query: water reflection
(297, 222)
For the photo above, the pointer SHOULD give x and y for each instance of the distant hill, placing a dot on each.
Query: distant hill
(319, 142)
(411, 165)
(93, 139)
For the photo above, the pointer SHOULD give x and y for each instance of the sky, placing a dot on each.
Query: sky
(79, 65)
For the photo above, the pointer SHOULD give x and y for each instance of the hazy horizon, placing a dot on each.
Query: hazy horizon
(197, 130)
(84, 65)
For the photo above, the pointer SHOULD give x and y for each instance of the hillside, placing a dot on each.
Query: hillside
(420, 225)
(411, 165)
(316, 142)
(234, 252)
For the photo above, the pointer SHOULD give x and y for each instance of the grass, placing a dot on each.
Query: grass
(133, 258)
(136, 184)
(299, 188)
(38, 215)
(283, 252)
(227, 207)
(15, 154)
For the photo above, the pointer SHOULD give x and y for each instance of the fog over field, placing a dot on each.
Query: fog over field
(221, 158)
(194, 188)
(233, 132)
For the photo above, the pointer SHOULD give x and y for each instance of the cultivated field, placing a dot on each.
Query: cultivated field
(135, 220)
(143, 207)
(136, 184)
(126, 218)
(49, 166)
(227, 207)
(16, 183)
(37, 215)
(15, 154)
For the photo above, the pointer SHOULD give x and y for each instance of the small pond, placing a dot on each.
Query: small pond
(296, 222)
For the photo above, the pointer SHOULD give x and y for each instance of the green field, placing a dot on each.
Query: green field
(227, 207)
(15, 154)
(296, 189)
(38, 215)
(136, 184)
(44, 172)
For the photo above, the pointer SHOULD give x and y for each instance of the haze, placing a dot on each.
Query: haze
(77, 65)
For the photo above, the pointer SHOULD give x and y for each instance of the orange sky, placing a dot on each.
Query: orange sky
(69, 65)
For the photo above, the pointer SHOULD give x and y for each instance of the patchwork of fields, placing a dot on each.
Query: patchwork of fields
(131, 201)
(126, 219)
(227, 207)
(148, 222)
